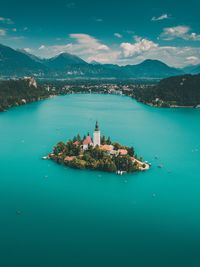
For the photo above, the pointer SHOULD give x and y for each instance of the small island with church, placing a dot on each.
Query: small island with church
(97, 153)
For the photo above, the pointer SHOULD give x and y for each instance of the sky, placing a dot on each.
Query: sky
(106, 31)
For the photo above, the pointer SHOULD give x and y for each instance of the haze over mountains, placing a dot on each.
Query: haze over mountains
(20, 63)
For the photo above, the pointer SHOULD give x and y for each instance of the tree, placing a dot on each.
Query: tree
(108, 141)
(78, 163)
(59, 148)
(131, 151)
(117, 146)
(103, 140)
(78, 137)
(124, 163)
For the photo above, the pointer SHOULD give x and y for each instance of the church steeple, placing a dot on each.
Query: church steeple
(97, 135)
(97, 126)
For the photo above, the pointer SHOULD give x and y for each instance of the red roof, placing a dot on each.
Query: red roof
(68, 158)
(76, 143)
(87, 140)
(123, 152)
(106, 147)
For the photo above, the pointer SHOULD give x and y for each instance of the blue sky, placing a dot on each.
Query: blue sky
(122, 32)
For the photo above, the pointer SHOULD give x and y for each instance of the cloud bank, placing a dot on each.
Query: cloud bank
(90, 49)
(183, 32)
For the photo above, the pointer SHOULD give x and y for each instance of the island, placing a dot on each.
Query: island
(99, 153)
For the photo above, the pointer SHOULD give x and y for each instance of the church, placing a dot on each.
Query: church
(96, 138)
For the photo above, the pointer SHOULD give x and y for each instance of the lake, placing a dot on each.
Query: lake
(55, 216)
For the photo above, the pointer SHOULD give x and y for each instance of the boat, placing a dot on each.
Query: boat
(45, 157)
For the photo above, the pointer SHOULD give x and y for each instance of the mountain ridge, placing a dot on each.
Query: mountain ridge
(65, 65)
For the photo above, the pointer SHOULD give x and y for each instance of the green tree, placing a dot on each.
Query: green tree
(108, 141)
(78, 137)
(103, 140)
(130, 151)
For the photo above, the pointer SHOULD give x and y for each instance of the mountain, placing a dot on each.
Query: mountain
(94, 62)
(193, 69)
(33, 57)
(15, 63)
(152, 69)
(196, 70)
(63, 61)
(20, 63)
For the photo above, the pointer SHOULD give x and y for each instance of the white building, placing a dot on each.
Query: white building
(31, 81)
(97, 136)
(87, 142)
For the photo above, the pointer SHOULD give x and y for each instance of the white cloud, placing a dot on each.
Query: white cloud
(194, 36)
(192, 60)
(183, 32)
(118, 35)
(42, 47)
(171, 55)
(89, 48)
(28, 50)
(140, 46)
(6, 20)
(162, 17)
(2, 32)
(88, 42)
(82, 45)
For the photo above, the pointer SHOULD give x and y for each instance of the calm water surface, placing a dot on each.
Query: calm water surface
(55, 216)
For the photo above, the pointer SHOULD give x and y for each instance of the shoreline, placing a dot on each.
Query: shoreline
(170, 106)
(99, 93)
(118, 172)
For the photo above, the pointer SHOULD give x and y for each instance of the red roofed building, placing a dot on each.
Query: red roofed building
(122, 152)
(87, 142)
(76, 143)
(107, 148)
(68, 158)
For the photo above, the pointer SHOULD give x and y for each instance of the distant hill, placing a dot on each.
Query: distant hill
(192, 69)
(196, 70)
(152, 69)
(94, 62)
(20, 63)
(63, 61)
(33, 57)
(181, 91)
(16, 63)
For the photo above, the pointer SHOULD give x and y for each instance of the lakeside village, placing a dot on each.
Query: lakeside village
(18, 92)
(95, 87)
(99, 153)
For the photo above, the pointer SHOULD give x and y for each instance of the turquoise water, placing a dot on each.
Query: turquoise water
(55, 216)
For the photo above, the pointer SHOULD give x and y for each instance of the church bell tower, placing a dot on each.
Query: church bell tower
(97, 135)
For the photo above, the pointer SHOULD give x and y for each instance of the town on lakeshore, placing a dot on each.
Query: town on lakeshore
(172, 92)
(97, 153)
